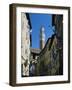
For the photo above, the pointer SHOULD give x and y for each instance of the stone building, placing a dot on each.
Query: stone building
(48, 60)
(58, 23)
(25, 44)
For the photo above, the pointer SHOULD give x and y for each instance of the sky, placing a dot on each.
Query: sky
(38, 20)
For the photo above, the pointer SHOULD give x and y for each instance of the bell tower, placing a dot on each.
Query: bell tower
(42, 37)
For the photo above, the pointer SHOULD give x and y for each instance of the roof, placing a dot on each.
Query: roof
(35, 50)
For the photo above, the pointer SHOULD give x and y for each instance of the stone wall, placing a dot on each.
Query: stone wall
(48, 61)
(25, 45)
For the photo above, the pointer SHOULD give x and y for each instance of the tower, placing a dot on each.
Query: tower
(42, 37)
